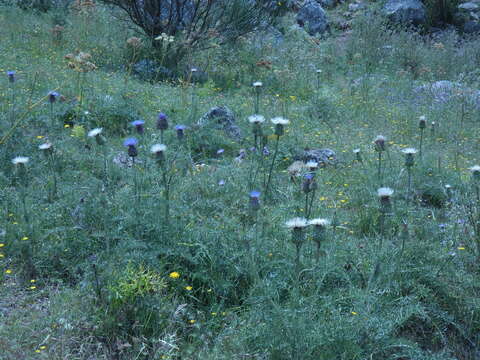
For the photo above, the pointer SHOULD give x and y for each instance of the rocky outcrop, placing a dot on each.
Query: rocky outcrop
(312, 18)
(405, 11)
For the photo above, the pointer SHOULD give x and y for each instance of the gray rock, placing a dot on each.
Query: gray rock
(405, 11)
(322, 156)
(329, 4)
(312, 18)
(222, 118)
(469, 6)
(444, 91)
(471, 27)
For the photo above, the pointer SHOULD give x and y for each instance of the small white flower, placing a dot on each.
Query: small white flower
(280, 121)
(410, 151)
(384, 192)
(319, 222)
(257, 84)
(158, 148)
(296, 223)
(256, 119)
(20, 160)
(95, 132)
(45, 146)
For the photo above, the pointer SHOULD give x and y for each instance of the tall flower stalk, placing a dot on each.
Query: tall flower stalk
(319, 234)
(11, 75)
(257, 86)
(52, 99)
(384, 195)
(380, 147)
(422, 124)
(48, 150)
(409, 162)
(297, 226)
(279, 123)
(101, 141)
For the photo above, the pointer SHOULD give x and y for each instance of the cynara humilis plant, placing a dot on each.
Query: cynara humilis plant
(298, 227)
(422, 124)
(319, 234)
(380, 147)
(409, 162)
(162, 124)
(159, 153)
(52, 99)
(280, 124)
(48, 150)
(100, 140)
(257, 87)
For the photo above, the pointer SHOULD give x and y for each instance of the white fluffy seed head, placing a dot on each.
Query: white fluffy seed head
(356, 151)
(311, 164)
(19, 160)
(280, 121)
(158, 148)
(95, 132)
(257, 84)
(384, 192)
(411, 151)
(296, 223)
(319, 222)
(45, 146)
(256, 119)
(474, 168)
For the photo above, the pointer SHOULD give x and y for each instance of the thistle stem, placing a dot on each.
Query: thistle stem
(267, 186)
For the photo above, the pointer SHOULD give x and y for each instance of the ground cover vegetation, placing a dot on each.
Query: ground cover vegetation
(336, 217)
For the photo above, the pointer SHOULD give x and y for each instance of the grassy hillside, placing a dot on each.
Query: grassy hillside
(105, 255)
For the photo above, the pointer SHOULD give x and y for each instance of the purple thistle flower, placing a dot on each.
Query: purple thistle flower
(138, 126)
(52, 96)
(162, 122)
(180, 131)
(11, 76)
(221, 182)
(266, 152)
(308, 183)
(131, 143)
(255, 199)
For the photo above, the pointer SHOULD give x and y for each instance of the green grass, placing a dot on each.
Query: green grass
(102, 255)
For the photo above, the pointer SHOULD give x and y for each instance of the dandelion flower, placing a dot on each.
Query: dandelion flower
(20, 160)
(174, 275)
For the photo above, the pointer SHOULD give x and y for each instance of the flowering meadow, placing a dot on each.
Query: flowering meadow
(334, 215)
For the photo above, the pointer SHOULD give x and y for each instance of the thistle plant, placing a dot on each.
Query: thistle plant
(319, 234)
(193, 71)
(11, 75)
(409, 162)
(158, 152)
(358, 155)
(257, 86)
(473, 207)
(380, 147)
(162, 124)
(309, 186)
(319, 74)
(279, 123)
(20, 163)
(254, 207)
(139, 126)
(384, 195)
(297, 225)
(422, 124)
(101, 141)
(131, 145)
(52, 99)
(48, 150)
